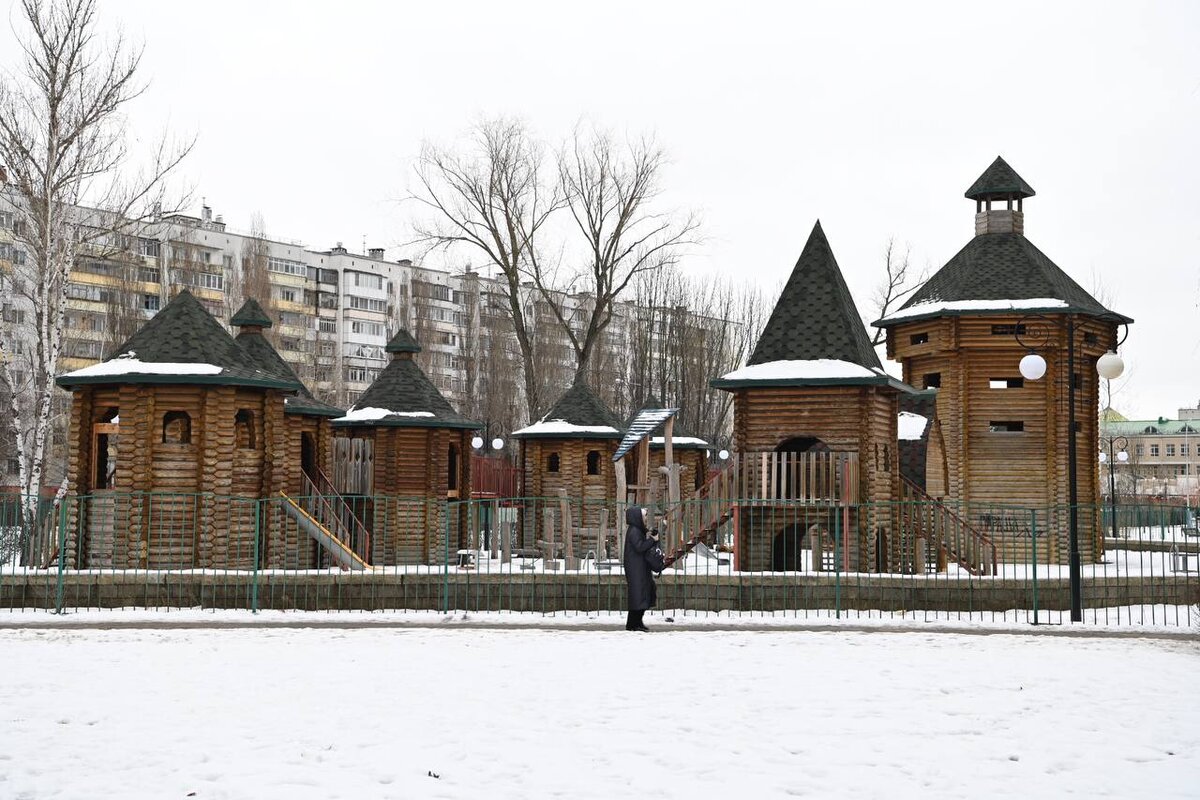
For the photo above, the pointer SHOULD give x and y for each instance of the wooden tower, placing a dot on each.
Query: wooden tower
(814, 425)
(182, 411)
(963, 334)
(404, 451)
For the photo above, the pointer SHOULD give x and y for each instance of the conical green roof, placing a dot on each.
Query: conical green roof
(403, 396)
(583, 413)
(251, 313)
(815, 317)
(402, 342)
(998, 182)
(267, 358)
(183, 344)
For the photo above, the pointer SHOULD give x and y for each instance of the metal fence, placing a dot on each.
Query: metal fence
(556, 555)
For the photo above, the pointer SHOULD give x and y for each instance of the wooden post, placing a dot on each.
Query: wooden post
(564, 513)
(622, 504)
(506, 542)
(602, 536)
(643, 469)
(549, 560)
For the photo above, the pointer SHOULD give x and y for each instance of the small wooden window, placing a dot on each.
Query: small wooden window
(177, 428)
(452, 468)
(593, 462)
(1008, 330)
(1006, 383)
(552, 463)
(1006, 426)
(243, 429)
(933, 380)
(919, 338)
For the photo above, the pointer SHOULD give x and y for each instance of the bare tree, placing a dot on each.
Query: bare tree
(254, 278)
(492, 198)
(610, 191)
(62, 144)
(897, 285)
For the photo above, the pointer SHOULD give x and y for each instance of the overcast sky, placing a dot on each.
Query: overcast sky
(874, 118)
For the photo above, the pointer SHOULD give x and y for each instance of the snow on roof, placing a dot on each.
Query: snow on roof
(561, 426)
(821, 368)
(910, 426)
(371, 413)
(129, 364)
(940, 306)
(679, 440)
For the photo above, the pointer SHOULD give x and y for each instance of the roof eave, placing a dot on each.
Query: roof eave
(67, 382)
(571, 436)
(1109, 316)
(409, 422)
(880, 380)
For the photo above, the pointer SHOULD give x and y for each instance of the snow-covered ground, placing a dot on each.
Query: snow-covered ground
(454, 713)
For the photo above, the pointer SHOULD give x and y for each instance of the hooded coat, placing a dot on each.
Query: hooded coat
(638, 575)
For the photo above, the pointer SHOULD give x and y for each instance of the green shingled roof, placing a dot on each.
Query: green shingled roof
(999, 182)
(251, 313)
(183, 333)
(268, 359)
(815, 317)
(580, 406)
(403, 342)
(403, 388)
(1000, 267)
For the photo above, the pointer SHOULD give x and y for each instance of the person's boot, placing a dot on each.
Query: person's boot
(630, 620)
(638, 624)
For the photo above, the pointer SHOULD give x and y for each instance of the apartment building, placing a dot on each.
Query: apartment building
(334, 311)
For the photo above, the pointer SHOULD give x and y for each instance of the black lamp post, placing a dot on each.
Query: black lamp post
(1121, 445)
(1032, 332)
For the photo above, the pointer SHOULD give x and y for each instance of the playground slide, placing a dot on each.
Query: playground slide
(342, 554)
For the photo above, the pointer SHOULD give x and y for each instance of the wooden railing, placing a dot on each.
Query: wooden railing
(822, 477)
(927, 526)
(330, 509)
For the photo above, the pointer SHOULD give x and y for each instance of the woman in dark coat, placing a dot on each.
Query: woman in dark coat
(639, 549)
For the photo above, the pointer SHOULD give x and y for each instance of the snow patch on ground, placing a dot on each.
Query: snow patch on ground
(448, 713)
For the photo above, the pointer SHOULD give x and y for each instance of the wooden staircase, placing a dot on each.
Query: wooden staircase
(329, 509)
(930, 532)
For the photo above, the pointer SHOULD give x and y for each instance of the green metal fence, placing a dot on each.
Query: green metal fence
(563, 556)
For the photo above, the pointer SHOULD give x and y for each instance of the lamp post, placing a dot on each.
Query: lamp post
(1122, 455)
(1031, 332)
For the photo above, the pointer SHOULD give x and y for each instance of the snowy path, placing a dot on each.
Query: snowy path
(286, 713)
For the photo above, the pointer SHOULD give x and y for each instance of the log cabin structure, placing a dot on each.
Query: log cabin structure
(814, 430)
(962, 335)
(569, 450)
(400, 453)
(176, 436)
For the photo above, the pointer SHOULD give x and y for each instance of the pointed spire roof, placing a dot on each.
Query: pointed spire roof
(267, 358)
(182, 343)
(403, 396)
(998, 182)
(250, 314)
(402, 342)
(578, 414)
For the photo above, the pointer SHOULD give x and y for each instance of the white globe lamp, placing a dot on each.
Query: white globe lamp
(1033, 367)
(724, 454)
(497, 443)
(1110, 366)
(1122, 456)
(477, 442)
(1103, 457)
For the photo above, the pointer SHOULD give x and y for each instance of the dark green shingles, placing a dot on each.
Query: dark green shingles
(815, 317)
(183, 332)
(268, 359)
(403, 388)
(580, 406)
(251, 313)
(1003, 266)
(998, 182)
(402, 342)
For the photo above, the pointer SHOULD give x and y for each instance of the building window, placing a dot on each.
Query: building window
(1005, 426)
(327, 326)
(1184, 450)
(1006, 383)
(368, 281)
(287, 295)
(593, 462)
(919, 338)
(1139, 450)
(933, 380)
(148, 247)
(1154, 450)
(177, 428)
(366, 304)
(151, 302)
(552, 463)
(367, 328)
(14, 466)
(286, 267)
(452, 468)
(243, 429)
(1170, 451)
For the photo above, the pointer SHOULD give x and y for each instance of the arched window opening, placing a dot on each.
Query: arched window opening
(177, 428)
(104, 449)
(552, 463)
(593, 462)
(243, 429)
